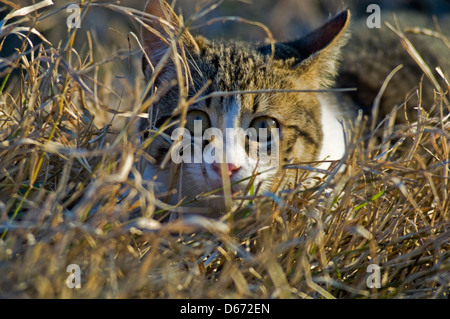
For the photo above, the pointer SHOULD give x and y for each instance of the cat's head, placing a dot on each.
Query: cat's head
(183, 68)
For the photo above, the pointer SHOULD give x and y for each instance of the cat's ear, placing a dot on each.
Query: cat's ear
(162, 25)
(317, 54)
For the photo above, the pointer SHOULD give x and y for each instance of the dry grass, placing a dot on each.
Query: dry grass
(66, 198)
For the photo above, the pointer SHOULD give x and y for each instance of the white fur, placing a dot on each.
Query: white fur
(333, 145)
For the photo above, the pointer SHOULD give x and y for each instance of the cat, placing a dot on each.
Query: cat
(309, 125)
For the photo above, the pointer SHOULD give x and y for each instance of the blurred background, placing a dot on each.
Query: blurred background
(285, 18)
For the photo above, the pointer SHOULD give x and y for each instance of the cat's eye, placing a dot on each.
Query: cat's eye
(196, 115)
(263, 123)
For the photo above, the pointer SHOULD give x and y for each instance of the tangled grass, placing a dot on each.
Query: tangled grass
(66, 198)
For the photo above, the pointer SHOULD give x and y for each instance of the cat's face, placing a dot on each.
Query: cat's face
(238, 139)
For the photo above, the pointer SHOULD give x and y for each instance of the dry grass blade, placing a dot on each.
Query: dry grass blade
(407, 45)
(27, 10)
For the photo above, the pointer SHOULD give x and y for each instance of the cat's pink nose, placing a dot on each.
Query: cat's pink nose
(231, 168)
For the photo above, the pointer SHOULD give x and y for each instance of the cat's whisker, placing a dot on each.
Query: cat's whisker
(270, 91)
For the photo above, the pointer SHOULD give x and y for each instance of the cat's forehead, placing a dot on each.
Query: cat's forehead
(222, 53)
(234, 66)
(240, 67)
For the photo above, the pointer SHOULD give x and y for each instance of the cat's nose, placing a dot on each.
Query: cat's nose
(231, 168)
